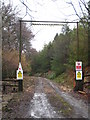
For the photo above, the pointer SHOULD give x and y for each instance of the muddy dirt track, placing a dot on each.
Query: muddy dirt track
(40, 106)
(46, 100)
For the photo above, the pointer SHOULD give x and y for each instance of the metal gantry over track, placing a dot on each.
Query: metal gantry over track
(47, 23)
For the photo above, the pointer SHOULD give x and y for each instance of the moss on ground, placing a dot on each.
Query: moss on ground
(61, 105)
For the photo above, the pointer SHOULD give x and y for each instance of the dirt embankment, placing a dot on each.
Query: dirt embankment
(15, 105)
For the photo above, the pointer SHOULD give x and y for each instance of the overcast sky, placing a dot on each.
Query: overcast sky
(47, 10)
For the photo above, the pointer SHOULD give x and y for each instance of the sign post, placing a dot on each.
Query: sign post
(20, 71)
(79, 70)
(20, 77)
(78, 76)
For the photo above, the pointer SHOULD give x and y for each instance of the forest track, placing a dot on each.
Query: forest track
(80, 108)
(43, 98)
(40, 105)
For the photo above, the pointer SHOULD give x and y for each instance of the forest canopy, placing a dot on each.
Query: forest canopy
(61, 54)
(57, 56)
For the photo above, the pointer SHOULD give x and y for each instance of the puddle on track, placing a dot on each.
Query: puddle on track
(39, 106)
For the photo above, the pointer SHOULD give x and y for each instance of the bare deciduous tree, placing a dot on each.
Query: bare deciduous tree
(83, 5)
(11, 30)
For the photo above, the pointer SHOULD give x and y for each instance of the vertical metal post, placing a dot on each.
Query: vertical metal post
(20, 82)
(89, 40)
(20, 44)
(89, 34)
(76, 87)
(20, 85)
(88, 54)
(77, 44)
(79, 83)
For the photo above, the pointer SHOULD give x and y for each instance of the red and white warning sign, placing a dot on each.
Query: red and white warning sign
(79, 65)
(20, 72)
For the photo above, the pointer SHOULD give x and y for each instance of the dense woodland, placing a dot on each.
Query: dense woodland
(61, 54)
(56, 57)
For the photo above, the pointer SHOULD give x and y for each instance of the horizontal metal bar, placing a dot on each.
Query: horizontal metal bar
(53, 24)
(47, 21)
